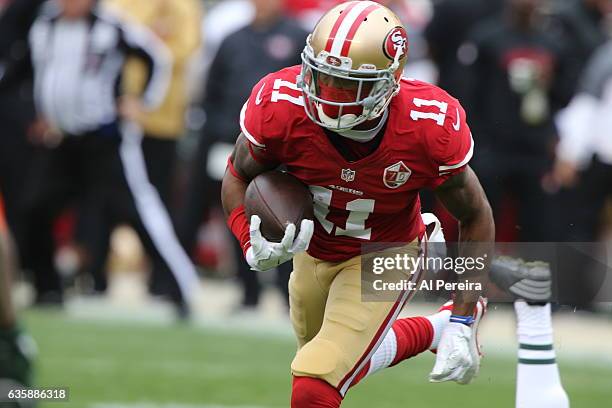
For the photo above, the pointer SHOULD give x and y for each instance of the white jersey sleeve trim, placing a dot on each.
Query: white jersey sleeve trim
(466, 159)
(246, 133)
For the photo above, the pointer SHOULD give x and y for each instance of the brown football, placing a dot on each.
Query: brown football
(278, 199)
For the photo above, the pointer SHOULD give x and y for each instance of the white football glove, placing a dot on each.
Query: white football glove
(264, 255)
(458, 358)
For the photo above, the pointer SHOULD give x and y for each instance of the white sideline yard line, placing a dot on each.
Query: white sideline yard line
(495, 342)
(167, 405)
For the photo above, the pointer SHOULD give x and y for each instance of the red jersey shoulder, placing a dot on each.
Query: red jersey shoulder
(440, 122)
(431, 107)
(274, 104)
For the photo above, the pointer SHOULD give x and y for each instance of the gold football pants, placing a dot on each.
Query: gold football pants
(337, 332)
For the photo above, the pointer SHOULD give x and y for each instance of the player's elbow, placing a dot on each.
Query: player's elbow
(233, 189)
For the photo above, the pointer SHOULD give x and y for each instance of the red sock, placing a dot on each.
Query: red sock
(314, 393)
(414, 336)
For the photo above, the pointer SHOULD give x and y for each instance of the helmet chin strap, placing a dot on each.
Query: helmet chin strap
(364, 136)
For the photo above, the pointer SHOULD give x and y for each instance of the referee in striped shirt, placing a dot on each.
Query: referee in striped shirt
(93, 148)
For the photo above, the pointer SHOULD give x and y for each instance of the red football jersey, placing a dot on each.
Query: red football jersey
(376, 198)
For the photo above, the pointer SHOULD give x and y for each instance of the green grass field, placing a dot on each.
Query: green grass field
(117, 365)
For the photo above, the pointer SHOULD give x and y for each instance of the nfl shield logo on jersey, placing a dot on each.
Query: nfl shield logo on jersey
(348, 175)
(397, 175)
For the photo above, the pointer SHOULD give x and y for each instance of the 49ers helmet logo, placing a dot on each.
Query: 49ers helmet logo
(334, 61)
(396, 40)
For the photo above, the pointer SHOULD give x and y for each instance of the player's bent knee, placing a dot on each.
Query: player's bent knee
(319, 359)
(314, 393)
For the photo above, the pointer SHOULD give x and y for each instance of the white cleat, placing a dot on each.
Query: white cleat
(530, 281)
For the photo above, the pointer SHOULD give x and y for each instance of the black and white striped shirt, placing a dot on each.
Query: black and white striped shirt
(78, 65)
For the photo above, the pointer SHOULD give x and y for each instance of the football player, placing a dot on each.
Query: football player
(538, 382)
(365, 141)
(16, 348)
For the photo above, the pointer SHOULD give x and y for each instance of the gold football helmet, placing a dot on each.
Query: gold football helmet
(352, 64)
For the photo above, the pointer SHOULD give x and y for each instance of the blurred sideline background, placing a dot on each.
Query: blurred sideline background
(535, 77)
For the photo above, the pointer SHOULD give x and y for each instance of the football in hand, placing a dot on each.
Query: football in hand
(278, 199)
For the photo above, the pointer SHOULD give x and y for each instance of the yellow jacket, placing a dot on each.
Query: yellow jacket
(177, 23)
